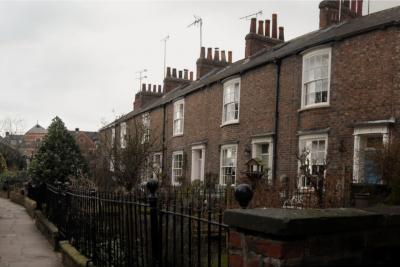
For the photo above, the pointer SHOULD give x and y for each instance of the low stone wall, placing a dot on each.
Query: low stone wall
(30, 206)
(48, 229)
(330, 237)
(17, 197)
(71, 257)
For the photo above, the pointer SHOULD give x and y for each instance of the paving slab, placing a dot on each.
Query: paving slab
(21, 243)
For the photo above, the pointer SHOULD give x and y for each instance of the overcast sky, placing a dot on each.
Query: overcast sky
(78, 60)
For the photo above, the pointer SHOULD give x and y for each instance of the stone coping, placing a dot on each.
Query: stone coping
(72, 257)
(295, 222)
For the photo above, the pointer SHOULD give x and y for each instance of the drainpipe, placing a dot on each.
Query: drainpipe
(163, 140)
(276, 116)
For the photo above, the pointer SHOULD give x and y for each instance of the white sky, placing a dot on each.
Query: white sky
(78, 60)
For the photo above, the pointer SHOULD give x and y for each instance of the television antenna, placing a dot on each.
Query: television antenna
(198, 21)
(165, 39)
(260, 12)
(141, 77)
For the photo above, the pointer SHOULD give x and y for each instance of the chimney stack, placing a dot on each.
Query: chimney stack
(147, 95)
(205, 65)
(262, 40)
(267, 28)
(329, 12)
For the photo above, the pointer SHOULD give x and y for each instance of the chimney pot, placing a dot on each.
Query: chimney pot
(274, 25)
(180, 74)
(76, 129)
(281, 34)
(253, 25)
(202, 52)
(223, 56)
(216, 54)
(7, 133)
(230, 56)
(261, 27)
(144, 87)
(209, 53)
(353, 6)
(185, 74)
(168, 71)
(174, 72)
(267, 28)
(191, 75)
(359, 7)
(149, 87)
(159, 89)
(154, 88)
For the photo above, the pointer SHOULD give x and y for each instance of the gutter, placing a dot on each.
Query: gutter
(277, 62)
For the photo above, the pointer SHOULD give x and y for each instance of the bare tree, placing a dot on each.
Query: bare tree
(12, 126)
(128, 164)
(313, 172)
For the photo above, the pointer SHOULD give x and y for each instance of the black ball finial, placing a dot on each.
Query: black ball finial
(152, 186)
(243, 195)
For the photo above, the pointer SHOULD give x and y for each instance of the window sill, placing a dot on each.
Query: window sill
(317, 106)
(177, 135)
(229, 123)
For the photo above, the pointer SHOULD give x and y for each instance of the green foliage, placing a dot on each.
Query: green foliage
(3, 164)
(58, 157)
(14, 159)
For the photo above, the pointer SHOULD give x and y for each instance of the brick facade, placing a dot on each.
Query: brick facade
(364, 88)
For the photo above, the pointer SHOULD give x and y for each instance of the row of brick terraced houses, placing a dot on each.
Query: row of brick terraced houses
(334, 91)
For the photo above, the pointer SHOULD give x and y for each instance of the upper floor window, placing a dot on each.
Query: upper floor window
(112, 137)
(313, 151)
(316, 78)
(179, 109)
(231, 101)
(177, 167)
(123, 135)
(228, 164)
(146, 127)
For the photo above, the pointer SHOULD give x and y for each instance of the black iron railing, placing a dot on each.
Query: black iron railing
(142, 228)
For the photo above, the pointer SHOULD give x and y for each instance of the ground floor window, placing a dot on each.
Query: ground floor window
(198, 163)
(177, 167)
(262, 150)
(228, 164)
(312, 154)
(157, 164)
(367, 141)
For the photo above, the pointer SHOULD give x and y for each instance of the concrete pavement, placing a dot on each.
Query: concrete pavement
(21, 244)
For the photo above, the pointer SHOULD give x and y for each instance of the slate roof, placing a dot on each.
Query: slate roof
(37, 129)
(336, 32)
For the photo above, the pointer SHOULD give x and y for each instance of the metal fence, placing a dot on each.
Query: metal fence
(143, 228)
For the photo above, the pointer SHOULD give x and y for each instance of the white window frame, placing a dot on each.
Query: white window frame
(146, 121)
(221, 173)
(202, 164)
(358, 133)
(264, 140)
(173, 178)
(123, 134)
(112, 137)
(160, 154)
(303, 143)
(180, 119)
(229, 84)
(306, 56)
